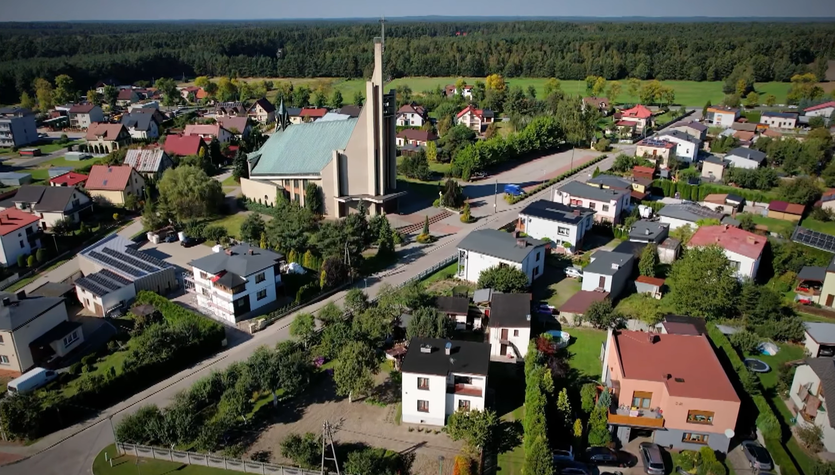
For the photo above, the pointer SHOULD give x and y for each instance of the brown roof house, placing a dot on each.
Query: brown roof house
(411, 115)
(600, 103)
(82, 115)
(106, 138)
(150, 163)
(787, 211)
(114, 184)
(262, 111)
(415, 137)
(576, 306)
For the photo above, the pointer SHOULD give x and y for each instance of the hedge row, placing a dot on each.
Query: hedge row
(699, 192)
(542, 186)
(207, 329)
(767, 421)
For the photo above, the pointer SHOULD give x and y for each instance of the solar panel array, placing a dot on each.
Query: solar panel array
(116, 263)
(130, 260)
(654, 142)
(88, 284)
(114, 276)
(824, 242)
(145, 257)
(104, 283)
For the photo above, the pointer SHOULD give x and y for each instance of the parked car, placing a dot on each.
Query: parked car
(606, 456)
(189, 242)
(513, 190)
(570, 467)
(564, 454)
(31, 380)
(170, 238)
(757, 456)
(573, 272)
(652, 458)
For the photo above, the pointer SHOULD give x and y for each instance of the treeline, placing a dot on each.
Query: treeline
(130, 52)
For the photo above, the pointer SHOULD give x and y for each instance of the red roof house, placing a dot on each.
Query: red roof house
(825, 105)
(183, 145)
(13, 219)
(113, 178)
(785, 210)
(313, 113)
(643, 172)
(741, 247)
(637, 112)
(69, 179)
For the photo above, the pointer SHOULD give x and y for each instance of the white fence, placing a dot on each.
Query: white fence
(193, 458)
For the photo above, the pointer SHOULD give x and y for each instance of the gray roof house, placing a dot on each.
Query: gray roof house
(608, 271)
(694, 129)
(820, 339)
(611, 181)
(487, 248)
(686, 213)
(238, 262)
(648, 231)
(742, 157)
(812, 384)
(575, 188)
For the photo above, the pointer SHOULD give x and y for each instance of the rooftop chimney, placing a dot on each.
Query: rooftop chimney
(426, 348)
(448, 348)
(615, 266)
(7, 302)
(21, 295)
(251, 252)
(647, 231)
(528, 317)
(228, 252)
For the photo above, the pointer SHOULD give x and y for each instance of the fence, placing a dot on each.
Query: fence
(449, 260)
(214, 461)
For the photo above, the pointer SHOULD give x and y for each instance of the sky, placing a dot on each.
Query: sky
(69, 10)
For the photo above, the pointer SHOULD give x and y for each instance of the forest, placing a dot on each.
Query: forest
(127, 52)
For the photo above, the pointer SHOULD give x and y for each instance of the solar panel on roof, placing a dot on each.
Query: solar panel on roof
(114, 276)
(104, 283)
(116, 263)
(86, 283)
(134, 262)
(145, 257)
(818, 240)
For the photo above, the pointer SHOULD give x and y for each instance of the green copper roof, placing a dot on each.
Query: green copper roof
(302, 148)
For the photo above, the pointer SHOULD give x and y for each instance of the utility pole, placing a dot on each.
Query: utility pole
(496, 196)
(571, 167)
(327, 439)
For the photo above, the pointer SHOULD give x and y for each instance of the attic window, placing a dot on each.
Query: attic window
(679, 380)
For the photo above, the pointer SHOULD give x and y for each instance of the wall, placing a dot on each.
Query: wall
(520, 343)
(827, 112)
(23, 129)
(614, 283)
(112, 197)
(653, 152)
(436, 395)
(779, 122)
(712, 170)
(89, 300)
(591, 282)
(828, 289)
(7, 349)
(676, 223)
(747, 267)
(256, 190)
(62, 350)
(612, 215)
(30, 332)
(10, 245)
(741, 162)
(685, 150)
(541, 228)
(812, 347)
(803, 375)
(477, 263)
(160, 282)
(666, 438)
(784, 216)
(268, 283)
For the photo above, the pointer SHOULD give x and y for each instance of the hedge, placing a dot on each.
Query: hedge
(542, 186)
(766, 414)
(699, 192)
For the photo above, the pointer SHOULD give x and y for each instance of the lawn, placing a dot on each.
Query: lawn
(111, 363)
(775, 225)
(127, 465)
(554, 287)
(820, 226)
(63, 162)
(232, 223)
(584, 351)
(441, 274)
(230, 181)
(510, 463)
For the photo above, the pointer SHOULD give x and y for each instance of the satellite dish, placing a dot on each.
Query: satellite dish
(729, 433)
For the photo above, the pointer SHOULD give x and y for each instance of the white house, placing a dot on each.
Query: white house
(440, 377)
(743, 249)
(676, 216)
(207, 132)
(607, 203)
(510, 326)
(721, 116)
(235, 281)
(561, 223)
(824, 110)
(608, 271)
(475, 119)
(819, 339)
(411, 115)
(141, 126)
(50, 203)
(779, 120)
(83, 115)
(487, 248)
(687, 147)
(812, 383)
(18, 235)
(742, 157)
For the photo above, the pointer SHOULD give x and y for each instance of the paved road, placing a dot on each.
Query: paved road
(72, 450)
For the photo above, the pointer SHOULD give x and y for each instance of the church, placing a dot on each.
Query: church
(352, 160)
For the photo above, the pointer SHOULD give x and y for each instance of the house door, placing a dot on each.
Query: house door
(829, 299)
(99, 310)
(503, 350)
(504, 335)
(602, 282)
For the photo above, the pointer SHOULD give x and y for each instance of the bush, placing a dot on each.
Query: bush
(75, 368)
(115, 216)
(437, 203)
(21, 261)
(687, 459)
(425, 238)
(41, 256)
(745, 341)
(304, 451)
(786, 329)
(811, 436)
(603, 145)
(30, 261)
(215, 233)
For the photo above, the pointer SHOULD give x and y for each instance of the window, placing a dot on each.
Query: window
(204, 275)
(734, 265)
(592, 204)
(4, 359)
(260, 278)
(694, 438)
(641, 399)
(605, 208)
(463, 405)
(423, 383)
(562, 231)
(515, 332)
(462, 380)
(538, 256)
(70, 339)
(423, 406)
(205, 291)
(700, 417)
(262, 294)
(29, 231)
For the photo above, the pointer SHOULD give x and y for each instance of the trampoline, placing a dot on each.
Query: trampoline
(756, 366)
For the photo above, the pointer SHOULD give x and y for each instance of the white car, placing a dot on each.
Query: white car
(573, 272)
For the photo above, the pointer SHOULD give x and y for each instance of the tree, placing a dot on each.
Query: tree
(474, 427)
(598, 87)
(264, 365)
(425, 230)
(313, 198)
(64, 89)
(453, 195)
(599, 435)
(415, 165)
(44, 94)
(26, 101)
(426, 322)
(40, 255)
(201, 81)
(495, 82)
(588, 394)
(538, 458)
(372, 460)
(752, 99)
(745, 341)
(240, 166)
(503, 279)
(633, 86)
(252, 228)
(385, 239)
(334, 271)
(614, 91)
(303, 327)
(187, 193)
(648, 264)
(431, 151)
(356, 301)
(63, 226)
(110, 94)
(803, 190)
(359, 98)
(466, 214)
(651, 92)
(168, 88)
(601, 314)
(305, 451)
(770, 100)
(354, 370)
(566, 414)
(703, 283)
(336, 99)
(226, 89)
(373, 326)
(329, 314)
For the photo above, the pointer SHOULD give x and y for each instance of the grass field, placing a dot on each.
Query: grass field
(585, 351)
(688, 93)
(126, 465)
(774, 225)
(443, 273)
(820, 226)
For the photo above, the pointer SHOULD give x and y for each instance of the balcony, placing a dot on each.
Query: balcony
(638, 418)
(465, 390)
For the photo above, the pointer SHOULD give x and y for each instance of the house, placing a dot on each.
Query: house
(262, 111)
(670, 385)
(565, 225)
(510, 327)
(744, 137)
(102, 84)
(83, 115)
(779, 120)
(115, 183)
(811, 383)
(810, 282)
(649, 285)
(787, 211)
(114, 271)
(15, 178)
(312, 114)
(126, 97)
(687, 147)
(352, 111)
(411, 115)
(639, 115)
(238, 126)
(697, 130)
(723, 202)
(184, 145)
(824, 110)
(466, 91)
(17, 127)
(150, 163)
(415, 137)
(721, 116)
(475, 119)
(486, 248)
(19, 235)
(141, 126)
(607, 203)
(648, 231)
(230, 109)
(105, 138)
(742, 126)
(69, 179)
(33, 330)
(713, 168)
(349, 160)
(457, 309)
(576, 306)
(827, 201)
(608, 272)
(599, 103)
(50, 203)
(744, 249)
(193, 93)
(742, 157)
(232, 283)
(637, 187)
(440, 377)
(656, 149)
(819, 339)
(209, 132)
(685, 214)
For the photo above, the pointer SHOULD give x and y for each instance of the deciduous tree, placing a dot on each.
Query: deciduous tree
(474, 427)
(354, 370)
(703, 283)
(187, 193)
(504, 279)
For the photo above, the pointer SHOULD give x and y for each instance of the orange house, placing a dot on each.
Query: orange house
(670, 388)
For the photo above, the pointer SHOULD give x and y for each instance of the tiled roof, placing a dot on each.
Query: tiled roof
(265, 104)
(731, 239)
(411, 109)
(693, 125)
(203, 129)
(81, 108)
(510, 311)
(637, 112)
(415, 134)
(104, 177)
(313, 112)
(786, 207)
(302, 148)
(125, 95)
(820, 106)
(477, 112)
(581, 301)
(650, 280)
(182, 145)
(106, 131)
(749, 153)
(69, 179)
(12, 219)
(233, 122)
(145, 160)
(138, 120)
(242, 260)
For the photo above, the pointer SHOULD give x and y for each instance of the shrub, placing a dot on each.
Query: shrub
(304, 451)
(745, 341)
(215, 233)
(75, 368)
(463, 465)
(437, 203)
(115, 216)
(811, 435)
(687, 459)
(30, 261)
(785, 329)
(424, 238)
(40, 255)
(602, 145)
(21, 261)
